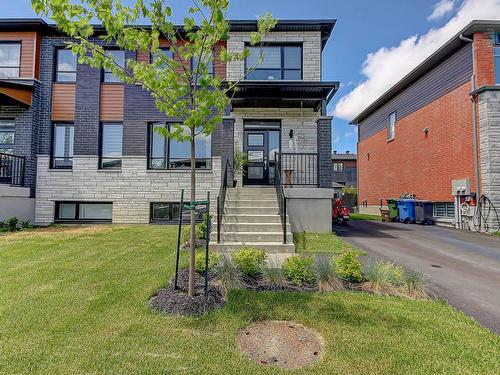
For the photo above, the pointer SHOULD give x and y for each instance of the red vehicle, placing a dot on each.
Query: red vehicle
(340, 213)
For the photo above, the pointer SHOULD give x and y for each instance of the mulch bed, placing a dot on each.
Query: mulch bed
(278, 343)
(171, 301)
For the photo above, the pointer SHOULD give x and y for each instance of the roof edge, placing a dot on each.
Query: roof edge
(430, 62)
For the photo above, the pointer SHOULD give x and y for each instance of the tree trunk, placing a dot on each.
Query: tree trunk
(191, 289)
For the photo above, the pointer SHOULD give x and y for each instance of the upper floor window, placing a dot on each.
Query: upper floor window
(62, 149)
(209, 64)
(65, 66)
(278, 62)
(391, 128)
(119, 58)
(7, 132)
(10, 59)
(111, 146)
(162, 52)
(338, 167)
(171, 154)
(496, 54)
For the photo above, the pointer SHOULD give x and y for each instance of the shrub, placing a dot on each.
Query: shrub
(383, 278)
(199, 260)
(299, 269)
(325, 276)
(186, 233)
(250, 260)
(273, 276)
(348, 267)
(11, 224)
(300, 240)
(228, 275)
(415, 285)
(26, 224)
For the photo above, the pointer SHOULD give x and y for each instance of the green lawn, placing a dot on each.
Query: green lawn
(497, 234)
(74, 301)
(312, 243)
(365, 217)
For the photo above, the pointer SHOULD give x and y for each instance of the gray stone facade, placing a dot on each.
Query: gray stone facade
(489, 144)
(131, 190)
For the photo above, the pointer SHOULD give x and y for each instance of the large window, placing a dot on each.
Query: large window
(7, 133)
(338, 167)
(168, 212)
(62, 151)
(10, 59)
(171, 154)
(119, 58)
(274, 62)
(391, 128)
(65, 66)
(111, 146)
(84, 211)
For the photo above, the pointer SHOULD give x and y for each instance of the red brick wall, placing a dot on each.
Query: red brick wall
(483, 54)
(418, 164)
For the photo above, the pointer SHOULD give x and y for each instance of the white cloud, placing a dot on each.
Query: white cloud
(350, 134)
(441, 9)
(387, 66)
(336, 139)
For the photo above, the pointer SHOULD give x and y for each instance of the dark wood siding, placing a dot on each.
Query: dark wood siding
(28, 41)
(111, 107)
(450, 74)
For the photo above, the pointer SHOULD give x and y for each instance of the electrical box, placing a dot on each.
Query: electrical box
(460, 187)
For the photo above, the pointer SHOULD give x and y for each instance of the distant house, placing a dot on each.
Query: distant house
(344, 168)
(439, 124)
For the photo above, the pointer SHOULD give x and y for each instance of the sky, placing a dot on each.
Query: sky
(374, 43)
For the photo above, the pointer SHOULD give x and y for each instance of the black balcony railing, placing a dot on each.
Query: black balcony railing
(299, 169)
(12, 169)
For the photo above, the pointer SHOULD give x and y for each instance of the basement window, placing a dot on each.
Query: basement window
(100, 212)
(168, 213)
(445, 210)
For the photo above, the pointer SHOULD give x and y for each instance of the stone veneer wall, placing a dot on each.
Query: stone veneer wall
(131, 190)
(311, 51)
(489, 144)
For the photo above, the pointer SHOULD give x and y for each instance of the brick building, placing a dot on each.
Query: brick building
(438, 124)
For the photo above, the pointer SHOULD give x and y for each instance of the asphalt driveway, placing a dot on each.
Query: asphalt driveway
(463, 267)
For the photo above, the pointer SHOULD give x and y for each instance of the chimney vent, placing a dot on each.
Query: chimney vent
(335, 152)
(347, 152)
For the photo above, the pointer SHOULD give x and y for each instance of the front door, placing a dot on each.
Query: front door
(261, 146)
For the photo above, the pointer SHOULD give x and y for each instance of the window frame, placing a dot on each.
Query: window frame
(104, 72)
(18, 67)
(167, 145)
(282, 57)
(13, 125)
(164, 49)
(174, 220)
(336, 166)
(76, 219)
(53, 142)
(496, 55)
(393, 126)
(446, 208)
(56, 65)
(101, 144)
(212, 73)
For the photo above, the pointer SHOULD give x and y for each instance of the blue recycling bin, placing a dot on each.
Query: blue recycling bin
(406, 208)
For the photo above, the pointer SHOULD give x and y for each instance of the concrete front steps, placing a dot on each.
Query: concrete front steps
(251, 218)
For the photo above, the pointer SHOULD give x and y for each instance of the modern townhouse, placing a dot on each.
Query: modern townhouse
(92, 154)
(436, 133)
(345, 171)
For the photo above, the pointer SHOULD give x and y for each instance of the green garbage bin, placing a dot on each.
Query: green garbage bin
(392, 203)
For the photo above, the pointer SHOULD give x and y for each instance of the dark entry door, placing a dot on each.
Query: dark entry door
(261, 146)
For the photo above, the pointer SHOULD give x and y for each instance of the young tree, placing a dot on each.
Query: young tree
(189, 93)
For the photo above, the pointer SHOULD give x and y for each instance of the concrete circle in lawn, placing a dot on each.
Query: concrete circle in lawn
(278, 343)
